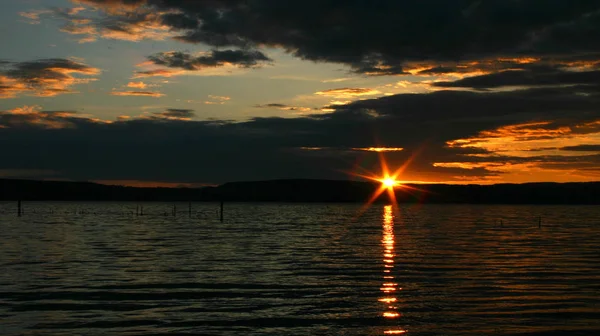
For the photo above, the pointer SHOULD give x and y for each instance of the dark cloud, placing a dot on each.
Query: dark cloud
(534, 65)
(285, 107)
(348, 92)
(382, 37)
(584, 148)
(137, 93)
(157, 148)
(32, 117)
(526, 78)
(177, 114)
(156, 73)
(215, 58)
(585, 162)
(272, 105)
(110, 3)
(44, 77)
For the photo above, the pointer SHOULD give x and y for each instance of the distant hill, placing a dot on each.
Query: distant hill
(300, 190)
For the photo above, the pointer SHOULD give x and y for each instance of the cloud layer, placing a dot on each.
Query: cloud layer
(390, 37)
(446, 135)
(509, 90)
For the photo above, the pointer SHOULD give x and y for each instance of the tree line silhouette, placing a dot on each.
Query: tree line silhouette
(304, 190)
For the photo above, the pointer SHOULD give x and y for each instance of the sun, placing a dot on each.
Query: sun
(387, 179)
(389, 182)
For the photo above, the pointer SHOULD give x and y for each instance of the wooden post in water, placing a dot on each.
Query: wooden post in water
(174, 210)
(540, 222)
(141, 210)
(221, 214)
(19, 209)
(190, 209)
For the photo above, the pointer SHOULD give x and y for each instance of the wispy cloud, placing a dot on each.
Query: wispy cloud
(175, 114)
(137, 85)
(379, 149)
(137, 93)
(336, 80)
(34, 16)
(217, 100)
(348, 92)
(284, 107)
(157, 73)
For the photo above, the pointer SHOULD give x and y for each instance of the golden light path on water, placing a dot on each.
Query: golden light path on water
(389, 287)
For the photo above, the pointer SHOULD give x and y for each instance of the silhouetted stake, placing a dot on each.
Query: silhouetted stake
(174, 210)
(19, 209)
(540, 222)
(501, 223)
(190, 209)
(137, 210)
(221, 217)
(141, 210)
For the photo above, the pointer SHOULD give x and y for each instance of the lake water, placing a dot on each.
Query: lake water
(293, 269)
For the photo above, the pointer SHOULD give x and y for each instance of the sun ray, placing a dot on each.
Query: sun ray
(388, 181)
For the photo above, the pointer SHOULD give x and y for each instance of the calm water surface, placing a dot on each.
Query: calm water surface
(281, 269)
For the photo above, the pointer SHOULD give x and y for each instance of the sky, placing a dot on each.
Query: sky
(192, 93)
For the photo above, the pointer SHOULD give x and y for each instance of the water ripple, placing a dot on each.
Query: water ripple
(280, 269)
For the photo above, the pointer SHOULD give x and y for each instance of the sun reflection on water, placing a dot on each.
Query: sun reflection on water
(389, 288)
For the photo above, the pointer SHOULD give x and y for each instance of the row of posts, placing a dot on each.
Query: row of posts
(139, 210)
(501, 222)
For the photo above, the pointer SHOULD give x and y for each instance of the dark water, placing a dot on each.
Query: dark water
(277, 269)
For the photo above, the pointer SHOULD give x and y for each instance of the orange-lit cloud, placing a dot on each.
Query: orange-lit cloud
(219, 98)
(10, 88)
(532, 139)
(225, 70)
(336, 80)
(528, 171)
(379, 149)
(174, 114)
(157, 73)
(469, 67)
(348, 92)
(532, 152)
(34, 16)
(90, 32)
(138, 93)
(108, 20)
(216, 100)
(34, 116)
(137, 85)
(44, 78)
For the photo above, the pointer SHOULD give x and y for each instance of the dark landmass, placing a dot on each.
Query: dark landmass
(306, 191)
